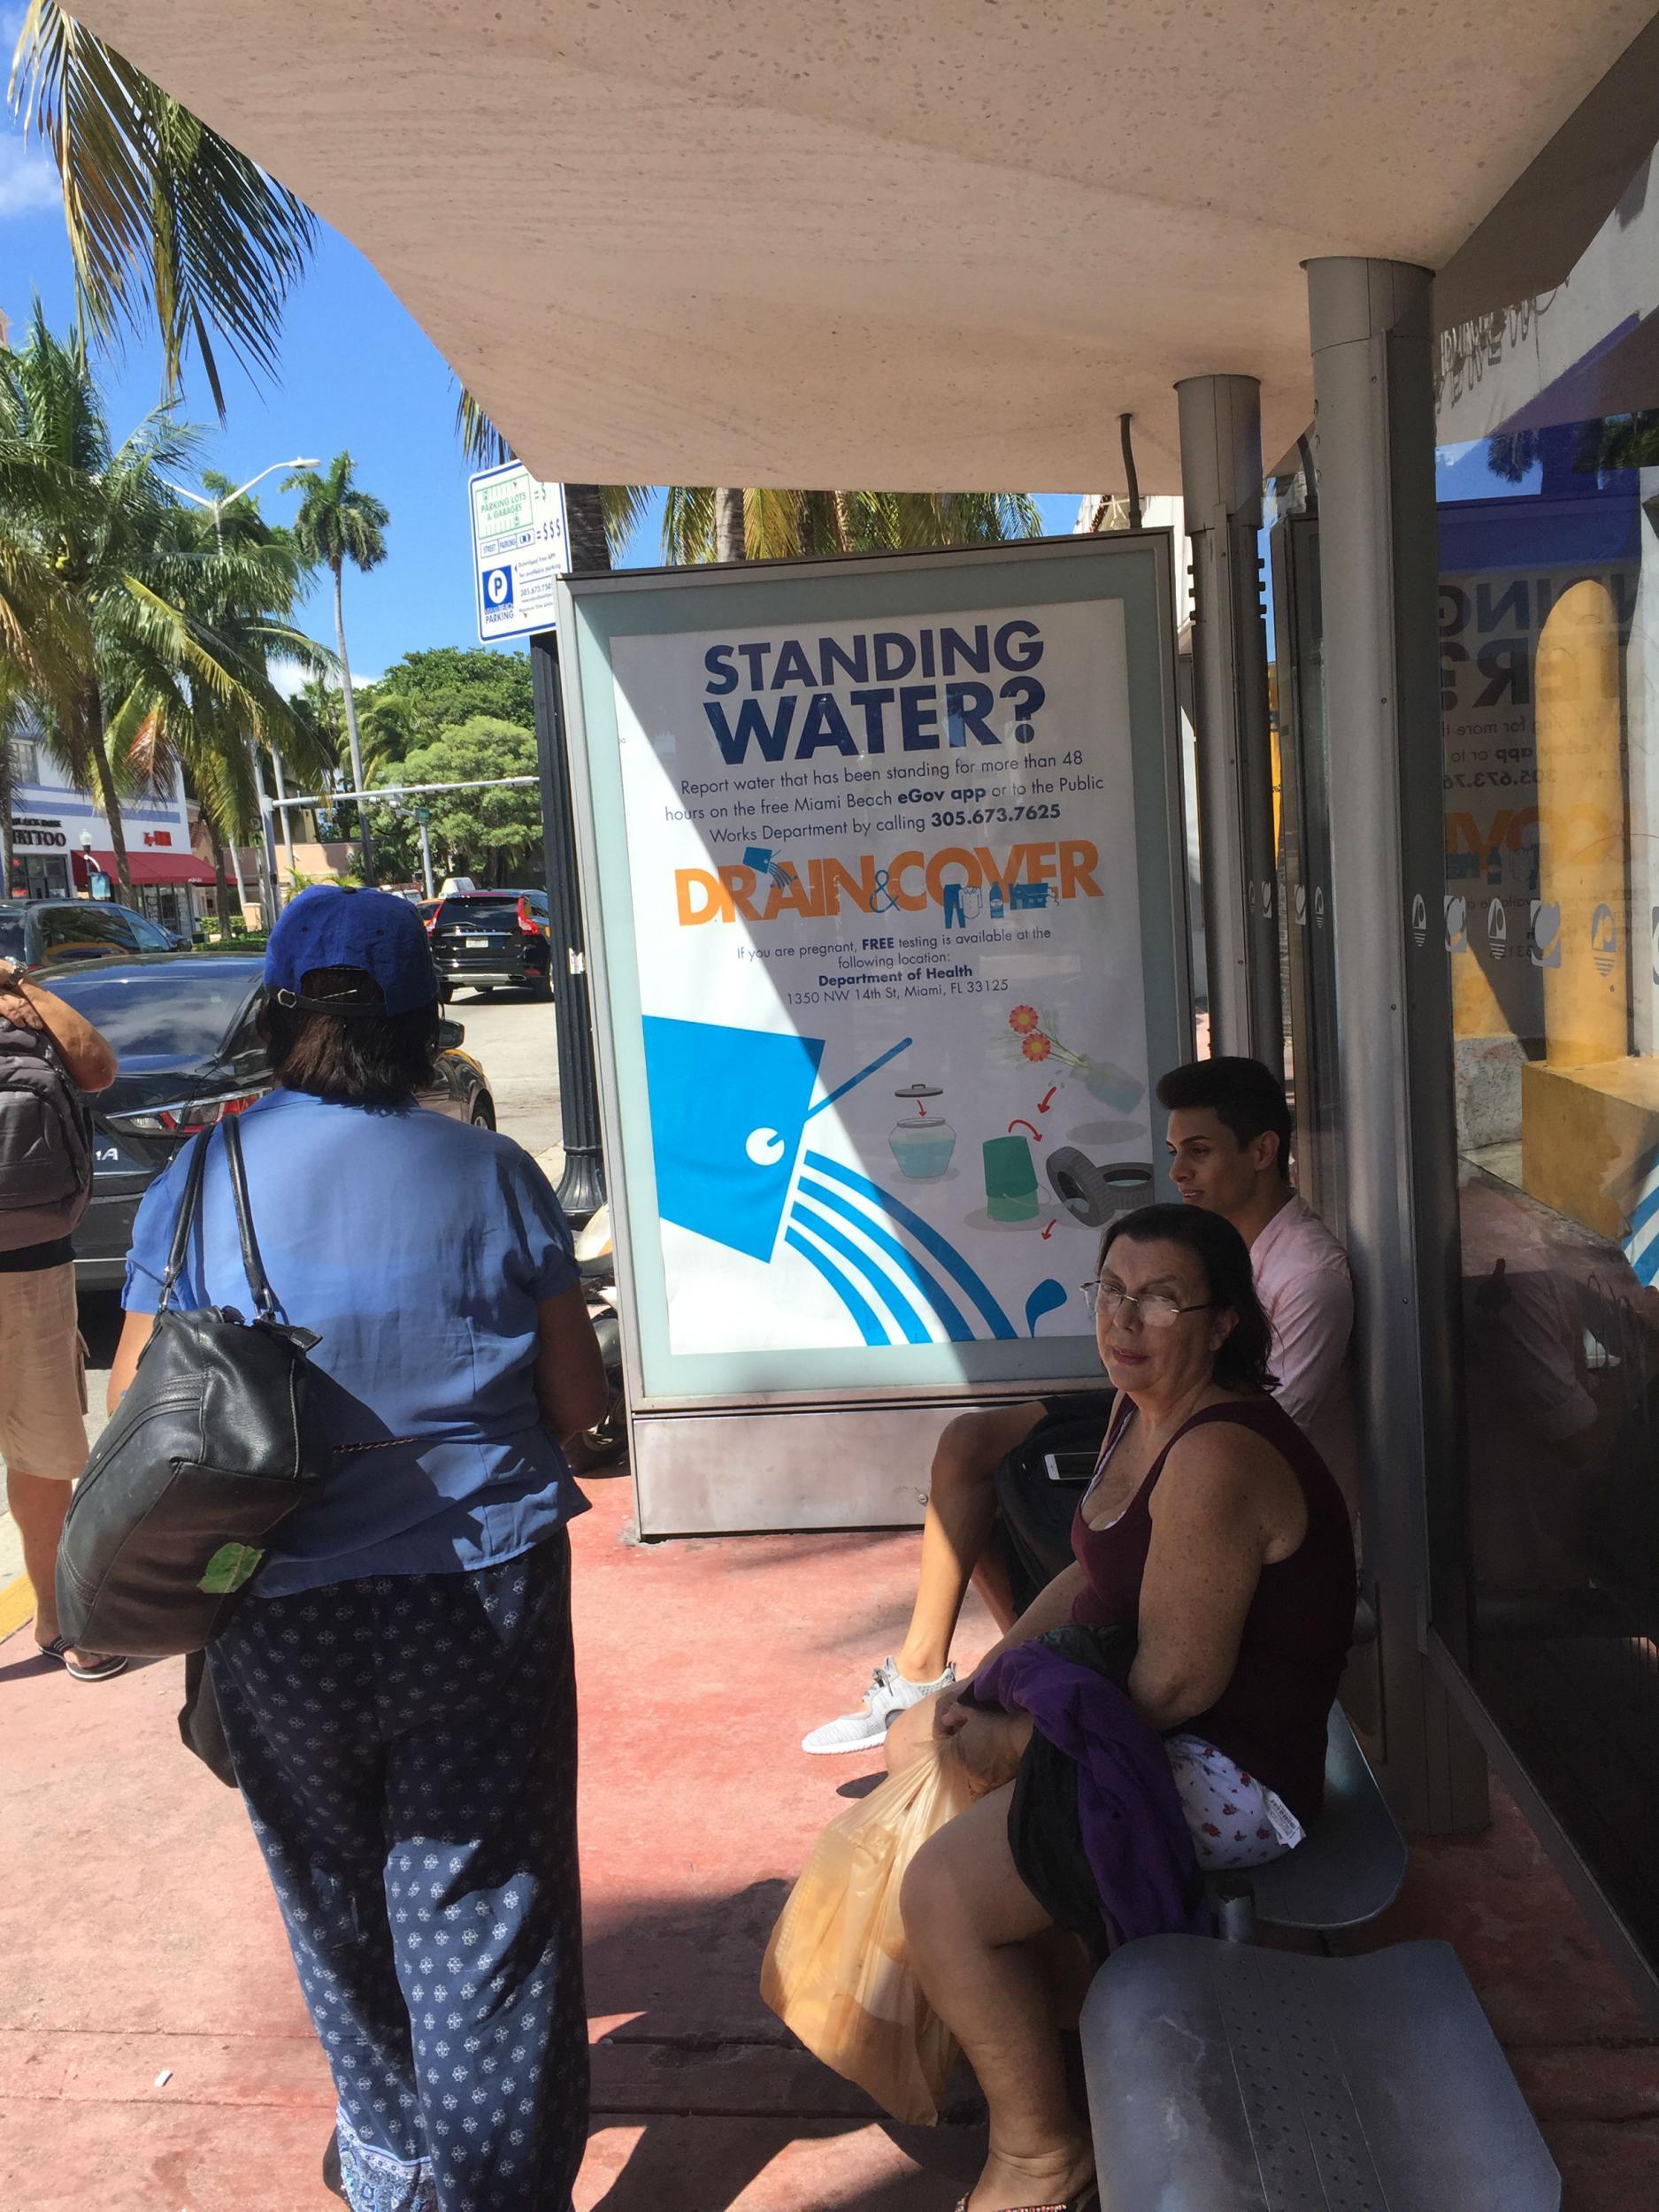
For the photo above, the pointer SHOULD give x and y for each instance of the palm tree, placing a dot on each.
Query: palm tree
(240, 580)
(781, 525)
(98, 519)
(169, 226)
(339, 522)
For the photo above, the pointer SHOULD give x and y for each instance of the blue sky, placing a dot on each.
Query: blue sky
(358, 376)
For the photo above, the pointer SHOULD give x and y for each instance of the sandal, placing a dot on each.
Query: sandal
(100, 1670)
(1086, 2199)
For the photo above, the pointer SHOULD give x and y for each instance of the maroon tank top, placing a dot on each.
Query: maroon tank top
(1270, 1718)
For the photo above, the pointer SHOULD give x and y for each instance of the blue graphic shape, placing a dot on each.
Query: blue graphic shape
(1046, 1298)
(1641, 1242)
(924, 1234)
(498, 589)
(869, 1322)
(1024, 896)
(957, 1326)
(910, 1321)
(728, 1108)
(757, 856)
(954, 916)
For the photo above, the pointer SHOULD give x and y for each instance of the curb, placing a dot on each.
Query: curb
(17, 1603)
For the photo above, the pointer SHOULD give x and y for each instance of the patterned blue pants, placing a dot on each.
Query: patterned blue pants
(407, 1749)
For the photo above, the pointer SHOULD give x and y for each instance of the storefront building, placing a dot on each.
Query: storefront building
(61, 846)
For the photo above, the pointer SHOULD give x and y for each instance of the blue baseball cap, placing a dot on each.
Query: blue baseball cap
(330, 926)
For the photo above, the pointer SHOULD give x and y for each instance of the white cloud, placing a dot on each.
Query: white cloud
(290, 679)
(28, 182)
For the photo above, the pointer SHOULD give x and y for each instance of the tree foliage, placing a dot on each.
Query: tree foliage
(426, 692)
(786, 525)
(169, 226)
(150, 630)
(488, 835)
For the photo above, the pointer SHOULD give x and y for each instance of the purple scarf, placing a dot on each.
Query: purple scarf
(1135, 1833)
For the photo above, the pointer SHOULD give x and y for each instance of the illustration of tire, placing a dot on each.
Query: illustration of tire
(1094, 1194)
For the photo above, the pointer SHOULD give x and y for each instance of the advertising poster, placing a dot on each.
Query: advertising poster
(885, 979)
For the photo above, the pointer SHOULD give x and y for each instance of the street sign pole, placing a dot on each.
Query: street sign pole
(582, 1187)
(423, 816)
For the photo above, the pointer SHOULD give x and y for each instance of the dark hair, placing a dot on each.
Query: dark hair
(1244, 1095)
(1242, 1362)
(361, 1059)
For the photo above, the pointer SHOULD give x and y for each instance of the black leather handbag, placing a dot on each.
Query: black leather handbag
(210, 1450)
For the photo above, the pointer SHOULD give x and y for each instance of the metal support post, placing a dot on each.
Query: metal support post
(1221, 487)
(582, 1187)
(425, 851)
(269, 899)
(282, 807)
(1379, 566)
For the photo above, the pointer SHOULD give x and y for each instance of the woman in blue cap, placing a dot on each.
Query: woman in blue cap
(396, 1687)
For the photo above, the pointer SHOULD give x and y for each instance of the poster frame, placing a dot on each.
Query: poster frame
(594, 609)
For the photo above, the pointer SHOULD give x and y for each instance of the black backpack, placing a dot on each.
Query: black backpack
(1034, 1513)
(45, 1141)
(212, 1447)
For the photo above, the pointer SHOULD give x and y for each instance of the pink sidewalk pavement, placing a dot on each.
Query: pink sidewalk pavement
(155, 2055)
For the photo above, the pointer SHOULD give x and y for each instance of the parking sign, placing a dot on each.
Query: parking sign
(519, 550)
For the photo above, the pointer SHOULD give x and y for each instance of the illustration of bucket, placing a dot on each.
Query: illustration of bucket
(922, 1142)
(1010, 1179)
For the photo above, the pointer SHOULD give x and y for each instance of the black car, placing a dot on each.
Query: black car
(483, 938)
(45, 933)
(182, 1028)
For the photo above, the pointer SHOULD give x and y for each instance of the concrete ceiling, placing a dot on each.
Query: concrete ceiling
(841, 243)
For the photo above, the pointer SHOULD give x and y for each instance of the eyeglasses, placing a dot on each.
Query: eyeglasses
(1155, 1308)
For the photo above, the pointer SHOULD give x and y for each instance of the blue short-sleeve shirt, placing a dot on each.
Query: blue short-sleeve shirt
(417, 1248)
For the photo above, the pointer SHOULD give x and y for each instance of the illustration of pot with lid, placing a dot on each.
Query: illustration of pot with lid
(922, 1140)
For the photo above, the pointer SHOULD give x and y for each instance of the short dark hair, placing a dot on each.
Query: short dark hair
(360, 1059)
(1243, 1362)
(1246, 1098)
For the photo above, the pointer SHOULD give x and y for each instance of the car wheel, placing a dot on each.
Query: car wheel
(483, 1114)
(541, 985)
(446, 990)
(484, 990)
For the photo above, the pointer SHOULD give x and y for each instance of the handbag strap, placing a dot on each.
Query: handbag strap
(253, 1267)
(187, 1206)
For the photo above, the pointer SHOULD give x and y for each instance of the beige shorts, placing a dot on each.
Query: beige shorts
(43, 1374)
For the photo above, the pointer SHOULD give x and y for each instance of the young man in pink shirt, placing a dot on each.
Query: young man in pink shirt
(1229, 1141)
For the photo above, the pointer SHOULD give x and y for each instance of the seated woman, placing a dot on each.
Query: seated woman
(1215, 1532)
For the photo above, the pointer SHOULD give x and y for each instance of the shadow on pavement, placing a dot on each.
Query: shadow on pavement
(719, 2088)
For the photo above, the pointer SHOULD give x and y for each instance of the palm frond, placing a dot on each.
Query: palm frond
(168, 223)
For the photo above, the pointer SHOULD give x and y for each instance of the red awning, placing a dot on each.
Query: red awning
(149, 867)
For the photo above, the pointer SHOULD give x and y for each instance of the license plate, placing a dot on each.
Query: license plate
(477, 944)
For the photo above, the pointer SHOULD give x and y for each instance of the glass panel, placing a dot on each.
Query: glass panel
(1548, 485)
(1306, 936)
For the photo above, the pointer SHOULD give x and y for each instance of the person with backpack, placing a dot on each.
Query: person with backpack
(396, 1682)
(997, 1514)
(50, 1059)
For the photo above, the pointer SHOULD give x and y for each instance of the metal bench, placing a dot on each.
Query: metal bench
(1348, 1869)
(1225, 2078)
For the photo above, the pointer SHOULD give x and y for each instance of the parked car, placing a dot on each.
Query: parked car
(183, 1028)
(486, 937)
(42, 932)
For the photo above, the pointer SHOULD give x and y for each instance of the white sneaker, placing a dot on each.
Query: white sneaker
(889, 1693)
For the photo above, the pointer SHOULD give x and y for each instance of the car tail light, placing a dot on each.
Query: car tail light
(527, 921)
(187, 1118)
(432, 921)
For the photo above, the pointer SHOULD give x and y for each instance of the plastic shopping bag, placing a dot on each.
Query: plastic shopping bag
(836, 1971)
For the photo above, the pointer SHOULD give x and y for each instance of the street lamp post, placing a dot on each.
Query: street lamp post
(423, 814)
(264, 848)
